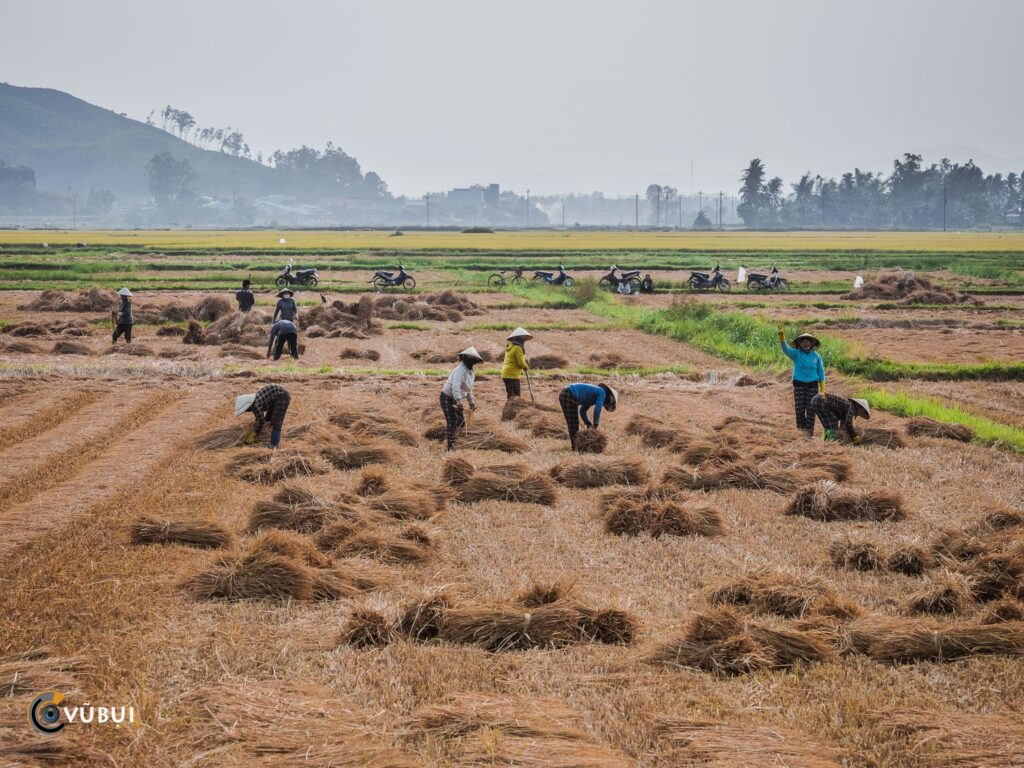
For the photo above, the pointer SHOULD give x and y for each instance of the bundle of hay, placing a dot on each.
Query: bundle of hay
(535, 488)
(371, 423)
(855, 555)
(591, 441)
(922, 426)
(654, 433)
(515, 405)
(482, 437)
(456, 471)
(722, 642)
(767, 591)
(548, 362)
(245, 353)
(886, 438)
(412, 545)
(20, 347)
(408, 504)
(260, 575)
(594, 473)
(71, 348)
(909, 288)
(608, 361)
(359, 354)
(541, 424)
(202, 534)
(827, 501)
(718, 449)
(137, 350)
(234, 437)
(421, 620)
(945, 593)
(211, 308)
(372, 482)
(26, 330)
(995, 575)
(170, 330)
(368, 628)
(909, 560)
(1007, 609)
(250, 329)
(910, 642)
(652, 512)
(288, 543)
(355, 455)
(194, 334)
(93, 300)
(297, 509)
(265, 466)
(739, 474)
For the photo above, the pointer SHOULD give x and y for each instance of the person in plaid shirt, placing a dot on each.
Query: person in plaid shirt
(833, 410)
(269, 404)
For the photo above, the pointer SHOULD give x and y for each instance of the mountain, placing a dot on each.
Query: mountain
(71, 143)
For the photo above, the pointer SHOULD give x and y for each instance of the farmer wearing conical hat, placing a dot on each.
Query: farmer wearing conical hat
(286, 306)
(458, 386)
(269, 404)
(124, 317)
(577, 399)
(834, 410)
(808, 376)
(515, 365)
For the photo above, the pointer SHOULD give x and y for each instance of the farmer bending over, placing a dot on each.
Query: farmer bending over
(286, 307)
(269, 404)
(282, 331)
(459, 385)
(577, 399)
(808, 376)
(515, 366)
(124, 317)
(833, 410)
(245, 297)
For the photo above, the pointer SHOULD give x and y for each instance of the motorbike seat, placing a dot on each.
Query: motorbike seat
(631, 273)
(756, 276)
(705, 275)
(305, 272)
(543, 274)
(382, 273)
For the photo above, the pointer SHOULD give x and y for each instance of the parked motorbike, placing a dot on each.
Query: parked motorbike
(702, 281)
(626, 283)
(302, 277)
(771, 282)
(383, 280)
(562, 278)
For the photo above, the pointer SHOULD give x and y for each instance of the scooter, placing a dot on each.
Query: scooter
(626, 283)
(702, 281)
(772, 282)
(562, 278)
(382, 280)
(302, 277)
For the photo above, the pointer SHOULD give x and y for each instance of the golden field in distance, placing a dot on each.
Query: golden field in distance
(538, 240)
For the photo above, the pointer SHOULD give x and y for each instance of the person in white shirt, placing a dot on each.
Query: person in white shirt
(459, 386)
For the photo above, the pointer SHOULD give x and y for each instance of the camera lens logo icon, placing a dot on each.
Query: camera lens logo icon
(44, 712)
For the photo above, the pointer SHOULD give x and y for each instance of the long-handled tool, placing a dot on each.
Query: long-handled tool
(467, 420)
(529, 386)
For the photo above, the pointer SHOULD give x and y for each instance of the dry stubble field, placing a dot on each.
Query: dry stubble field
(817, 663)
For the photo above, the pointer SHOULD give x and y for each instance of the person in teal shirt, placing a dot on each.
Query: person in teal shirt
(808, 376)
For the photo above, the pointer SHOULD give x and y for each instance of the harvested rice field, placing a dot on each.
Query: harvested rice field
(711, 589)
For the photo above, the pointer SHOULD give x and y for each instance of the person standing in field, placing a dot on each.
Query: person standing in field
(245, 297)
(286, 307)
(577, 399)
(808, 376)
(124, 317)
(268, 404)
(514, 365)
(459, 386)
(281, 332)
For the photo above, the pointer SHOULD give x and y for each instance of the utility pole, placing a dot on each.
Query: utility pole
(427, 196)
(636, 215)
(657, 210)
(720, 202)
(943, 203)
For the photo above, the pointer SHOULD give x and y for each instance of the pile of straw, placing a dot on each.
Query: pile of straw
(456, 471)
(516, 405)
(245, 353)
(855, 555)
(886, 438)
(767, 591)
(945, 593)
(415, 503)
(265, 466)
(1007, 609)
(234, 437)
(591, 441)
(170, 330)
(739, 474)
(608, 361)
(654, 433)
(203, 534)
(355, 455)
(655, 512)
(827, 501)
(372, 482)
(535, 488)
(71, 348)
(295, 508)
(291, 545)
(367, 628)
(482, 437)
(922, 426)
(594, 473)
(259, 575)
(93, 300)
(910, 642)
(373, 423)
(548, 362)
(194, 334)
(248, 328)
(359, 354)
(20, 347)
(909, 560)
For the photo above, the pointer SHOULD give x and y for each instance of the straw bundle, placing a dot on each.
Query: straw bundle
(238, 350)
(955, 544)
(297, 509)
(535, 488)
(291, 545)
(71, 348)
(170, 330)
(359, 354)
(353, 456)
(958, 739)
(914, 642)
(525, 716)
(655, 512)
(254, 576)
(922, 426)
(547, 362)
(656, 434)
(594, 473)
(516, 405)
(372, 482)
(608, 361)
(483, 439)
(886, 438)
(367, 628)
(995, 574)
(827, 502)
(456, 471)
(402, 504)
(423, 619)
(836, 465)
(204, 534)
(51, 300)
(263, 466)
(409, 546)
(773, 592)
(234, 437)
(738, 474)
(945, 593)
(910, 560)
(541, 424)
(1007, 609)
(20, 348)
(194, 333)
(857, 556)
(1000, 519)
(591, 441)
(717, 450)
(137, 350)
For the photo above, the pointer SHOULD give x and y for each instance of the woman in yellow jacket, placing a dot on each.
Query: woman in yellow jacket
(515, 362)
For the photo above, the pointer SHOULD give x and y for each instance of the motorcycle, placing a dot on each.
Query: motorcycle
(626, 283)
(302, 277)
(772, 282)
(562, 278)
(382, 280)
(702, 281)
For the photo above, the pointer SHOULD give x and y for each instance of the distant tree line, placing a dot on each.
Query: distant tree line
(953, 195)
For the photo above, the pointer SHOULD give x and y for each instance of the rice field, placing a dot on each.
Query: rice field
(709, 588)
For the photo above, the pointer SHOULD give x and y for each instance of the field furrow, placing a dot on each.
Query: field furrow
(40, 414)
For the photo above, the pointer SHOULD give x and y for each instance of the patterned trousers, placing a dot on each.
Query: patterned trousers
(571, 411)
(513, 388)
(454, 417)
(803, 393)
(829, 418)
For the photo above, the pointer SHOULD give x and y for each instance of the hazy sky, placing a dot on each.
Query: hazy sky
(557, 95)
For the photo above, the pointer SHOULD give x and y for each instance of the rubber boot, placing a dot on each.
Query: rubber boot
(830, 435)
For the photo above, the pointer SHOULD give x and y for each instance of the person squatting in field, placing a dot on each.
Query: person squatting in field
(286, 307)
(515, 365)
(577, 399)
(245, 297)
(269, 404)
(280, 332)
(834, 410)
(125, 319)
(808, 376)
(458, 386)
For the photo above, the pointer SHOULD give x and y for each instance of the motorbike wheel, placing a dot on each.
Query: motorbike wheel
(781, 285)
(569, 283)
(380, 283)
(634, 284)
(751, 285)
(281, 282)
(724, 286)
(693, 284)
(314, 280)
(518, 280)
(409, 283)
(605, 284)
(496, 280)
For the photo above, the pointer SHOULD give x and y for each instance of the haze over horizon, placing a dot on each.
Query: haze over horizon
(555, 97)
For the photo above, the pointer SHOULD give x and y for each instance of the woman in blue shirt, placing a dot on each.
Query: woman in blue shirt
(577, 399)
(808, 376)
